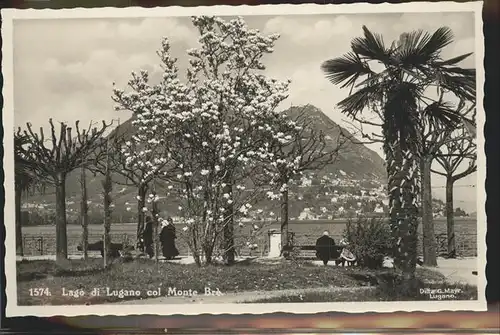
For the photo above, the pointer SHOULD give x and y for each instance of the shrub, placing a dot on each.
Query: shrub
(369, 240)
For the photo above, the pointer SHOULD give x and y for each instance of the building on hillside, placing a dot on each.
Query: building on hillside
(378, 209)
(306, 214)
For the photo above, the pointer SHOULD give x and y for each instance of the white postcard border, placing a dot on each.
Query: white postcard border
(12, 309)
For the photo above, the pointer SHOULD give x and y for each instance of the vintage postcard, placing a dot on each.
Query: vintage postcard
(235, 159)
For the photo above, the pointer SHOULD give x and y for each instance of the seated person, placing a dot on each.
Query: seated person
(346, 256)
(325, 248)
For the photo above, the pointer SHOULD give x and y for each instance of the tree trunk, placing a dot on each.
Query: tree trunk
(229, 251)
(404, 184)
(450, 218)
(107, 188)
(156, 237)
(61, 233)
(197, 258)
(19, 231)
(156, 242)
(84, 216)
(208, 253)
(141, 203)
(284, 220)
(429, 237)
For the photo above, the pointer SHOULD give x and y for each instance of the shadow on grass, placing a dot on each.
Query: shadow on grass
(38, 270)
(365, 278)
(29, 276)
(316, 297)
(78, 272)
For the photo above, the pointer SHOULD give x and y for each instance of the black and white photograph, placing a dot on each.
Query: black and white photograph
(244, 159)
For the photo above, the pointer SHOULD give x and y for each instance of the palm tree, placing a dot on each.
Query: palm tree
(396, 90)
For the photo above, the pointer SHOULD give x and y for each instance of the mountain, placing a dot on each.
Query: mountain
(356, 160)
(356, 167)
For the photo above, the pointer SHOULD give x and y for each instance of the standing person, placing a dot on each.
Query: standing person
(147, 237)
(325, 248)
(167, 238)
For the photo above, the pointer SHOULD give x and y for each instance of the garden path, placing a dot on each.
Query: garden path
(239, 297)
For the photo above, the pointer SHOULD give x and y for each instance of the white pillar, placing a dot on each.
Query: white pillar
(274, 243)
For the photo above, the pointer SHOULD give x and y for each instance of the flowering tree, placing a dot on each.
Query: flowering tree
(141, 157)
(214, 127)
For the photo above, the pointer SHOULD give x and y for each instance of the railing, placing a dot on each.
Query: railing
(41, 245)
(45, 244)
(465, 244)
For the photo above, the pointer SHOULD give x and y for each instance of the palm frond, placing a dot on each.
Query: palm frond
(442, 113)
(361, 99)
(441, 38)
(371, 46)
(346, 69)
(408, 46)
(418, 48)
(375, 78)
(464, 87)
(454, 60)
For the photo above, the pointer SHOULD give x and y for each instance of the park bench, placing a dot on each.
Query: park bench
(307, 252)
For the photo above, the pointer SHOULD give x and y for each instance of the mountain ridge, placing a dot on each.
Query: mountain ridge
(355, 162)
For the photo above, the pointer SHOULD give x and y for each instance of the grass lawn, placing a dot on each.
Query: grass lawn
(378, 293)
(142, 275)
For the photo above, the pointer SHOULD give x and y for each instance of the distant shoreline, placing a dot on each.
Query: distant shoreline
(291, 222)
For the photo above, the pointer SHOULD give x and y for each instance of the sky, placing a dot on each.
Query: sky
(64, 69)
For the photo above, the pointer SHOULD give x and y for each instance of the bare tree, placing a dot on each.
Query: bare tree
(458, 159)
(435, 132)
(304, 148)
(57, 156)
(84, 215)
(26, 180)
(107, 185)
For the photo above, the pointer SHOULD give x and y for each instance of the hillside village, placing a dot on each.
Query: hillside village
(332, 196)
(353, 186)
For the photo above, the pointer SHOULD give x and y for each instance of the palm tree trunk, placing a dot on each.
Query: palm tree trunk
(450, 217)
(403, 182)
(19, 231)
(429, 237)
(61, 233)
(284, 219)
